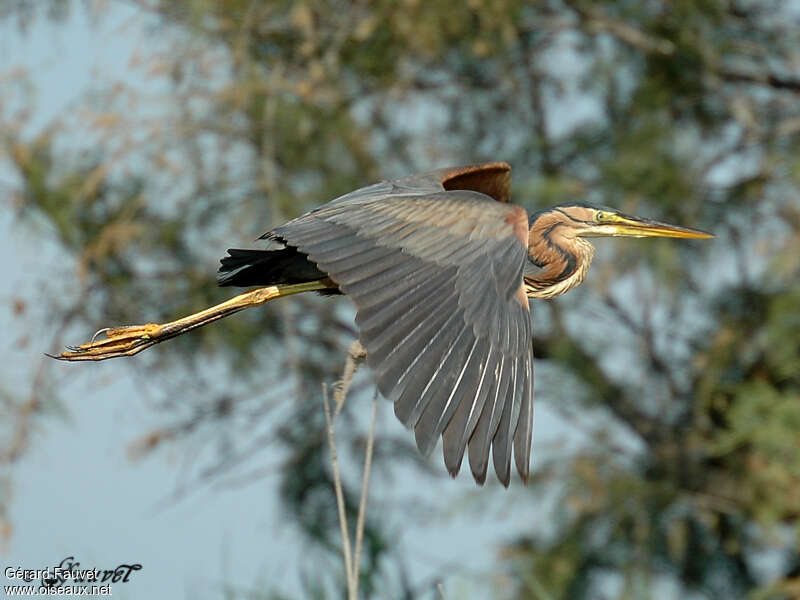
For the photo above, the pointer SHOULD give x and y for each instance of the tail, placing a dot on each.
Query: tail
(245, 268)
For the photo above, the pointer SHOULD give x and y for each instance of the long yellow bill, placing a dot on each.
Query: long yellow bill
(627, 226)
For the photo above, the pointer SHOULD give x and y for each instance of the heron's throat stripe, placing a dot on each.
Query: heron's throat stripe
(562, 269)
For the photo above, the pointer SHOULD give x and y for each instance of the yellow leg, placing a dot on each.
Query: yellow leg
(132, 339)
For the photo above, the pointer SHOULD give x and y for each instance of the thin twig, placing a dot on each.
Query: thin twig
(362, 505)
(337, 486)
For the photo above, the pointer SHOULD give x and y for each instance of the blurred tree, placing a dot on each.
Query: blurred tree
(688, 111)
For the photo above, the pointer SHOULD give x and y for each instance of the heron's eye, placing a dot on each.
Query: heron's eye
(600, 216)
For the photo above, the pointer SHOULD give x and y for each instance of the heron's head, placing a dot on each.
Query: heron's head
(583, 220)
(557, 244)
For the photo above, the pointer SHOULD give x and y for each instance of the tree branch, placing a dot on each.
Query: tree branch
(761, 78)
(597, 21)
(561, 347)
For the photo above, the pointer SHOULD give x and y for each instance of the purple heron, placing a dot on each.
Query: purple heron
(440, 268)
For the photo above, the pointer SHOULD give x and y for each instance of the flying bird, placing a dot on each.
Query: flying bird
(441, 269)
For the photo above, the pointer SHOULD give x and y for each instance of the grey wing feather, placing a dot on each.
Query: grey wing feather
(435, 277)
(523, 437)
(486, 427)
(461, 426)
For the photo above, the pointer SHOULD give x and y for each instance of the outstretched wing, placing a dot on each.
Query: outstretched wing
(436, 278)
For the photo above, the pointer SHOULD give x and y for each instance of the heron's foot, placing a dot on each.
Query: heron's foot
(116, 341)
(130, 340)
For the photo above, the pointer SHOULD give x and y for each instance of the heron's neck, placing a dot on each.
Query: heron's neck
(563, 259)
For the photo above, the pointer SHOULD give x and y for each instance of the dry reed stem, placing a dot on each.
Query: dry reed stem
(352, 561)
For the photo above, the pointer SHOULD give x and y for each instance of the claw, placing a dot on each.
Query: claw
(96, 333)
(118, 341)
